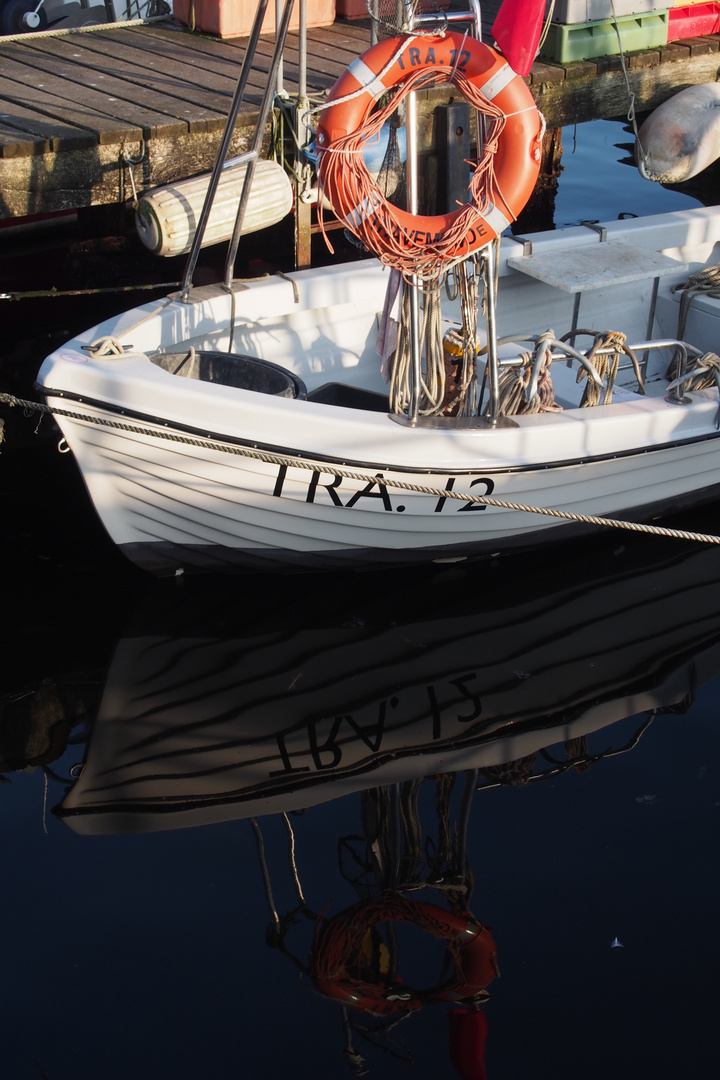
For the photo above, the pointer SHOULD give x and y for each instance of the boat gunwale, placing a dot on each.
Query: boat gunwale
(642, 450)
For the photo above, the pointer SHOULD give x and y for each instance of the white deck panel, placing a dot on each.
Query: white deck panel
(596, 266)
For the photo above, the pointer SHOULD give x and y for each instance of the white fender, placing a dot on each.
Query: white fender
(682, 136)
(167, 217)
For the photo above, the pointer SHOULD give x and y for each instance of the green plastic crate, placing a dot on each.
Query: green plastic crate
(584, 41)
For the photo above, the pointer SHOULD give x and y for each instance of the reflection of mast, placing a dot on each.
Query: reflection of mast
(394, 856)
(355, 955)
(520, 772)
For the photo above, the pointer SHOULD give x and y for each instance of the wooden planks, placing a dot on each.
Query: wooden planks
(596, 89)
(84, 115)
(87, 103)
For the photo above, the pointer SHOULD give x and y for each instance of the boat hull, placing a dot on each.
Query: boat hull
(201, 471)
(174, 501)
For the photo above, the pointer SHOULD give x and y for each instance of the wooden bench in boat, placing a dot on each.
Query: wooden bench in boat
(598, 266)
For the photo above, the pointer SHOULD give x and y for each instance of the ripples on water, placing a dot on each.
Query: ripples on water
(544, 739)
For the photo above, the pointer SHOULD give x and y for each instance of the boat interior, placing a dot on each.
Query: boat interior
(326, 351)
(580, 316)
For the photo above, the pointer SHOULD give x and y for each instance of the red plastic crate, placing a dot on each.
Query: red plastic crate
(234, 18)
(693, 21)
(357, 9)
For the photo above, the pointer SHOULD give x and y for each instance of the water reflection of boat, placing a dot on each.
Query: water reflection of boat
(217, 708)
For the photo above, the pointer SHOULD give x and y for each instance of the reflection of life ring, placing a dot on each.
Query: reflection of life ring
(340, 969)
(501, 183)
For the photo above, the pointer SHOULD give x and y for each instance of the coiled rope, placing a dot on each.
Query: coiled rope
(432, 381)
(352, 474)
(702, 373)
(706, 282)
(447, 388)
(514, 388)
(345, 168)
(607, 364)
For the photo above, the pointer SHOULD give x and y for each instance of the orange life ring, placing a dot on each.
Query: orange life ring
(336, 971)
(451, 58)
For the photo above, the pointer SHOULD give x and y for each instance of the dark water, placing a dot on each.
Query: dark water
(568, 699)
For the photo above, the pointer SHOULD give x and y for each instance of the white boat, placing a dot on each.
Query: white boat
(254, 429)
(250, 423)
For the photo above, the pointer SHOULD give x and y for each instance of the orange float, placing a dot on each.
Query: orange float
(340, 970)
(501, 183)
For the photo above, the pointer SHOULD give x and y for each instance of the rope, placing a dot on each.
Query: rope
(706, 281)
(351, 474)
(467, 397)
(123, 24)
(432, 385)
(703, 373)
(514, 383)
(449, 384)
(36, 294)
(607, 365)
(631, 97)
(105, 346)
(344, 170)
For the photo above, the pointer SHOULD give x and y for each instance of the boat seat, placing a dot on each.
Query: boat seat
(233, 369)
(350, 397)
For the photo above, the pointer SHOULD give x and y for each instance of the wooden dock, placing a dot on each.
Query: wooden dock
(91, 117)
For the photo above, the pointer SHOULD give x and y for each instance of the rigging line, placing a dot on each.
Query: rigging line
(631, 96)
(68, 31)
(293, 864)
(37, 294)
(265, 872)
(471, 779)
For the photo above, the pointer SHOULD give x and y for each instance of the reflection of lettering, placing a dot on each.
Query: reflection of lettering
(372, 735)
(287, 763)
(325, 747)
(467, 695)
(327, 485)
(330, 746)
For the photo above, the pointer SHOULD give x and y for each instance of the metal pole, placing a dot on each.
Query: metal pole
(302, 51)
(280, 70)
(412, 185)
(492, 361)
(472, 16)
(412, 205)
(224, 147)
(257, 141)
(303, 169)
